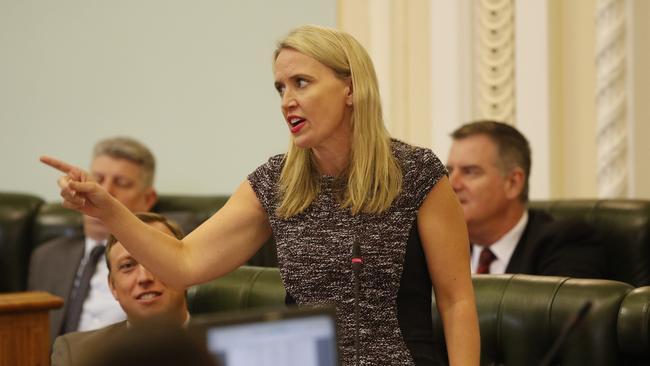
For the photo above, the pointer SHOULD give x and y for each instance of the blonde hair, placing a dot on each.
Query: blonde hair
(374, 178)
(129, 149)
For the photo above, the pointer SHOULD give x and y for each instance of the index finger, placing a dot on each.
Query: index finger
(57, 164)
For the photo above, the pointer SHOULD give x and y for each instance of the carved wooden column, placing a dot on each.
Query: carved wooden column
(494, 67)
(611, 99)
(24, 328)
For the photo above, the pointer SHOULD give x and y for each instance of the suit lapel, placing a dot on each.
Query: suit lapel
(523, 257)
(64, 272)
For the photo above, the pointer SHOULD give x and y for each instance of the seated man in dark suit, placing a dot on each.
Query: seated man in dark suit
(125, 167)
(489, 165)
(142, 296)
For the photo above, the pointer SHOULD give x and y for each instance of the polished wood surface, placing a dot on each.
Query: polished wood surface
(24, 333)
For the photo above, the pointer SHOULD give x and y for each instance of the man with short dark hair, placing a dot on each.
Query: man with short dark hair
(67, 266)
(489, 166)
(143, 297)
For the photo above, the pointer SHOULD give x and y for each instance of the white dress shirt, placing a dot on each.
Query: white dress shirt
(502, 248)
(100, 308)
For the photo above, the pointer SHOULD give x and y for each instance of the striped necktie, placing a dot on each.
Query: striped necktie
(484, 260)
(79, 294)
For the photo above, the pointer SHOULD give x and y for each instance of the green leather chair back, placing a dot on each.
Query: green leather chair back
(17, 213)
(54, 221)
(521, 316)
(634, 327)
(188, 211)
(191, 211)
(624, 226)
(245, 288)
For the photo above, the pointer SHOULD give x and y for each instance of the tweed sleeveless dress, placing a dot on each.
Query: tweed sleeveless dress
(314, 256)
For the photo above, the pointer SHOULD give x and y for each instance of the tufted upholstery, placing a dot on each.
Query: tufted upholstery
(520, 315)
(245, 288)
(17, 213)
(55, 221)
(634, 327)
(189, 211)
(623, 224)
(25, 222)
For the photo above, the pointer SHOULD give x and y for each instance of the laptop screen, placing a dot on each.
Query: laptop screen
(289, 337)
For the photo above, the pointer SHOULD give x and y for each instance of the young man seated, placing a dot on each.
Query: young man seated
(142, 296)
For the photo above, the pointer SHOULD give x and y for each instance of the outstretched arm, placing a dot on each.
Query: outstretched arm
(218, 246)
(446, 246)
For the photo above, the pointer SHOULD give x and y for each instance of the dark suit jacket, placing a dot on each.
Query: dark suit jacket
(52, 268)
(73, 348)
(558, 248)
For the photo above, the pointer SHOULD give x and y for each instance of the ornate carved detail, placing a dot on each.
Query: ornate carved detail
(611, 99)
(494, 67)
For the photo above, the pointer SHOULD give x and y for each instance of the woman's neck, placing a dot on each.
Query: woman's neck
(332, 162)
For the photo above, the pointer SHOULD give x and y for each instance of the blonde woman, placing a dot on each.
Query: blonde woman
(344, 183)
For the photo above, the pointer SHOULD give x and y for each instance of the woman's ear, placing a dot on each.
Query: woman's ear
(348, 96)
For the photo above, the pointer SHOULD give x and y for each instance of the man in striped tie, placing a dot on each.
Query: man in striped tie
(68, 266)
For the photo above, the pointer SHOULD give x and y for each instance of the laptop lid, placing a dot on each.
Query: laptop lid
(287, 336)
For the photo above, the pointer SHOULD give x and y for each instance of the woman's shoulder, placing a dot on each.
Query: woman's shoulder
(421, 168)
(276, 161)
(270, 170)
(407, 153)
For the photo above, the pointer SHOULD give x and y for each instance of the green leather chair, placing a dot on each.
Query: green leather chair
(520, 316)
(247, 287)
(624, 225)
(188, 211)
(634, 327)
(17, 213)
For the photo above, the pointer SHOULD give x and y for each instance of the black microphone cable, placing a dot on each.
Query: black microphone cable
(357, 262)
(564, 334)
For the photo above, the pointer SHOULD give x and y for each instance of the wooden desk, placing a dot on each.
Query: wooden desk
(24, 328)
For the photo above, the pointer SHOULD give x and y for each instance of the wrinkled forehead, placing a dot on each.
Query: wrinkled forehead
(109, 165)
(474, 149)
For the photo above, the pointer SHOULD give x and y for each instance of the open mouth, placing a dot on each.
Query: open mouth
(294, 122)
(146, 296)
